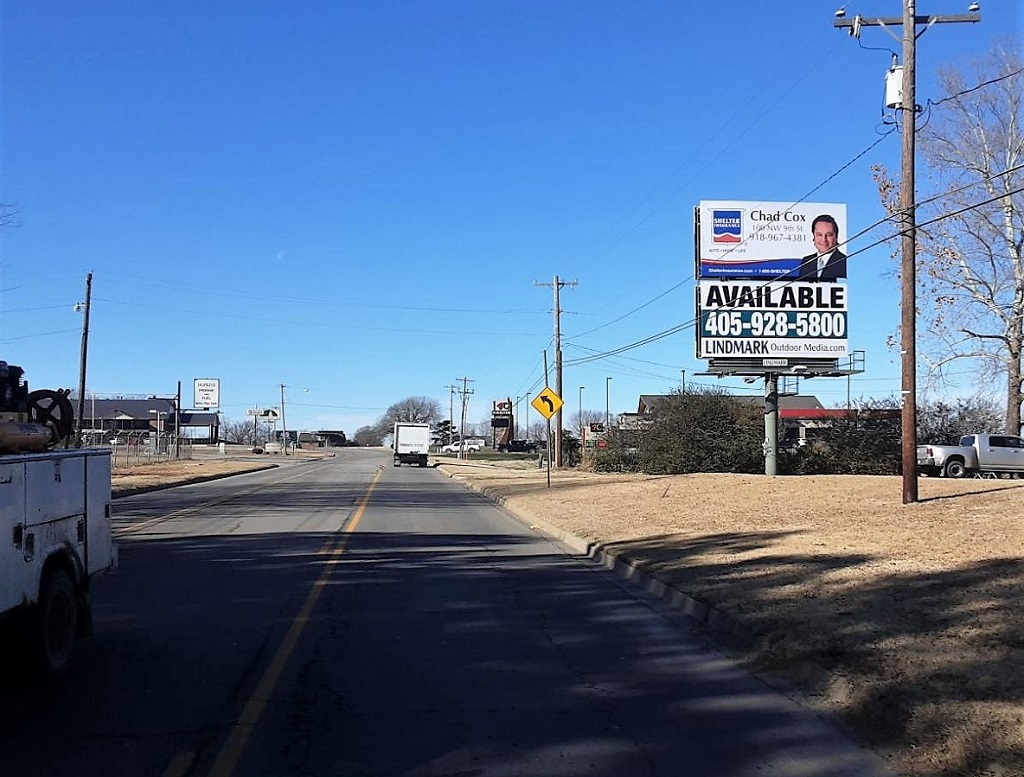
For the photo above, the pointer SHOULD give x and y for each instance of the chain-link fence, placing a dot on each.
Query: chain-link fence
(131, 449)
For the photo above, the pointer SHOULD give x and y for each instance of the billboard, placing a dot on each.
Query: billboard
(764, 240)
(771, 320)
(206, 393)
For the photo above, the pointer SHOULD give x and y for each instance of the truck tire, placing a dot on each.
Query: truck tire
(955, 469)
(56, 624)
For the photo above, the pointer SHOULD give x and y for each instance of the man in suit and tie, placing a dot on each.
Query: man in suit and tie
(827, 263)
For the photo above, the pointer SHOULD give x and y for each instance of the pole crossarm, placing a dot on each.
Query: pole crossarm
(854, 25)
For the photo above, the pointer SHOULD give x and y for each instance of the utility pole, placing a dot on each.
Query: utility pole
(907, 106)
(451, 413)
(177, 423)
(284, 426)
(607, 393)
(465, 391)
(83, 360)
(557, 284)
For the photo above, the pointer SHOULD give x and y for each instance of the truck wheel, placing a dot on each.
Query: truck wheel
(57, 624)
(955, 469)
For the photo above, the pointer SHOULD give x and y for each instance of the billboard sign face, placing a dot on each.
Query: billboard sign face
(762, 240)
(206, 393)
(773, 320)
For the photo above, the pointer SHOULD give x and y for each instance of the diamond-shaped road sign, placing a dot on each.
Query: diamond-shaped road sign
(547, 403)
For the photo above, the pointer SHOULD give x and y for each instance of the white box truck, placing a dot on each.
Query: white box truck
(411, 443)
(55, 526)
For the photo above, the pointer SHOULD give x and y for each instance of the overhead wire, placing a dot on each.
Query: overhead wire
(690, 278)
(248, 295)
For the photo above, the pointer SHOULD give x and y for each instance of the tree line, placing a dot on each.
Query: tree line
(711, 431)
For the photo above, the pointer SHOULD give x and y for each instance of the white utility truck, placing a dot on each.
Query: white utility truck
(411, 443)
(55, 530)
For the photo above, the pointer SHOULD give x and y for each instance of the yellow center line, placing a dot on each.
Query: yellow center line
(231, 752)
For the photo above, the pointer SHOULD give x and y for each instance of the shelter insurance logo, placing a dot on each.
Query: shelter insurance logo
(726, 226)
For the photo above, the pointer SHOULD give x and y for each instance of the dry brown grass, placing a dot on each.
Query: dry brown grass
(163, 474)
(903, 619)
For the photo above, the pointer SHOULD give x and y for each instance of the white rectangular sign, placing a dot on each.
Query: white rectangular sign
(206, 393)
(771, 320)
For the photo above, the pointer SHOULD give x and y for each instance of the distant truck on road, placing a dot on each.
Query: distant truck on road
(411, 443)
(976, 454)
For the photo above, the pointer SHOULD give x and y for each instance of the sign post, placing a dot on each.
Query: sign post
(547, 403)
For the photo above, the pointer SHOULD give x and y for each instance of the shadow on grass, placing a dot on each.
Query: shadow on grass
(928, 661)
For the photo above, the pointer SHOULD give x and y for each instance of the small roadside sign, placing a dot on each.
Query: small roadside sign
(547, 403)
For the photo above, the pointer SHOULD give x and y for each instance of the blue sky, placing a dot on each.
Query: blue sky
(357, 199)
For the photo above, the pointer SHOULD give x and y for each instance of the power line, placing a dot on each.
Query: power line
(797, 202)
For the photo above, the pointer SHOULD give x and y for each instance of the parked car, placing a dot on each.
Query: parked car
(518, 446)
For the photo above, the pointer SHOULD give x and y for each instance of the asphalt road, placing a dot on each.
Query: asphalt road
(343, 617)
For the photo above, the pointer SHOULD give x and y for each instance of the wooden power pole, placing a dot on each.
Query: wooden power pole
(907, 106)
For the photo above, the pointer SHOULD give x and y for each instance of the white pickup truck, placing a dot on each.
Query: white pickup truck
(470, 445)
(976, 454)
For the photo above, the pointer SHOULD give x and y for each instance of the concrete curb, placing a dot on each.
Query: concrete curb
(733, 632)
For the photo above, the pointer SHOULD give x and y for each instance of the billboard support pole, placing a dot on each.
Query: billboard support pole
(771, 424)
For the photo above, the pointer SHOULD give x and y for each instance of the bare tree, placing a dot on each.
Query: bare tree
(583, 419)
(945, 422)
(538, 430)
(416, 410)
(368, 436)
(237, 431)
(971, 228)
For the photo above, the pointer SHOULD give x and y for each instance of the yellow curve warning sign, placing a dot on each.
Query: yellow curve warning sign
(547, 402)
